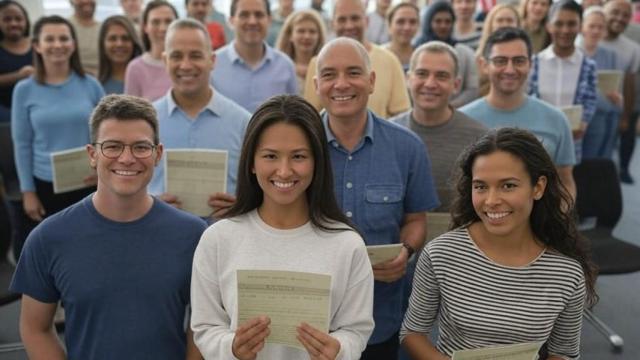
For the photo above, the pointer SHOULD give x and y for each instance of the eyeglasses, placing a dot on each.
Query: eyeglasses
(113, 149)
(502, 61)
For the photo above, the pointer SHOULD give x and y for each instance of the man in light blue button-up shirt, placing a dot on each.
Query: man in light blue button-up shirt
(248, 70)
(192, 114)
(382, 178)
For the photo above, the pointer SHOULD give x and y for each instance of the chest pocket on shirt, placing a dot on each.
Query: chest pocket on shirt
(383, 206)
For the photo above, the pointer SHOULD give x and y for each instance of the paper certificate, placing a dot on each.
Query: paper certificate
(194, 174)
(609, 81)
(525, 351)
(437, 224)
(70, 168)
(288, 298)
(382, 253)
(574, 115)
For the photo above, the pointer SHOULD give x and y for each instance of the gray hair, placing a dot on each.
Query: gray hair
(357, 46)
(435, 47)
(187, 23)
(594, 10)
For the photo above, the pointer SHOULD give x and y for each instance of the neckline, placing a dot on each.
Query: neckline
(495, 263)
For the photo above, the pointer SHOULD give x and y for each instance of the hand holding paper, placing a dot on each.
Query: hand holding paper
(250, 338)
(318, 344)
(391, 270)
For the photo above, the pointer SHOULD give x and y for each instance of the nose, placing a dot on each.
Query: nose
(284, 169)
(341, 82)
(493, 197)
(127, 156)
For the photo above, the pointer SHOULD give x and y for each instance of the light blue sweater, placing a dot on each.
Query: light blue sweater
(47, 118)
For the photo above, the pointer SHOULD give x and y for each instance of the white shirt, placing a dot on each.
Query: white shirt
(558, 77)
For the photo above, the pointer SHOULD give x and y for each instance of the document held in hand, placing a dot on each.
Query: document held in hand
(524, 351)
(194, 174)
(288, 298)
(383, 253)
(70, 168)
(574, 115)
(609, 81)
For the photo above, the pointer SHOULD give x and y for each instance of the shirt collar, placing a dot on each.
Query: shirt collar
(548, 54)
(235, 57)
(213, 105)
(331, 139)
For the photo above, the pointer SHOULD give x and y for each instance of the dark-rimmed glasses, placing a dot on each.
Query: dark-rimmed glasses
(502, 61)
(113, 149)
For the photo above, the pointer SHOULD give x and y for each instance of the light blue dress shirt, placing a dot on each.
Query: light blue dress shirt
(250, 87)
(387, 175)
(220, 125)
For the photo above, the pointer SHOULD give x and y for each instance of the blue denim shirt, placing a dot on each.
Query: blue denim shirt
(387, 175)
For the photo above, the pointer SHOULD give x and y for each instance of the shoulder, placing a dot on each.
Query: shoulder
(539, 106)
(464, 50)
(161, 105)
(281, 57)
(137, 62)
(402, 119)
(59, 223)
(25, 85)
(402, 136)
(558, 263)
(178, 218)
(230, 108)
(478, 104)
(465, 121)
(447, 242)
(92, 82)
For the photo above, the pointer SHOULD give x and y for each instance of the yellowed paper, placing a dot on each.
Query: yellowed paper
(574, 115)
(437, 224)
(609, 81)
(524, 351)
(382, 253)
(70, 168)
(288, 298)
(194, 174)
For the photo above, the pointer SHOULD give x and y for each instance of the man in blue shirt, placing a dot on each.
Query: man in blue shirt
(193, 114)
(119, 260)
(382, 179)
(507, 60)
(248, 70)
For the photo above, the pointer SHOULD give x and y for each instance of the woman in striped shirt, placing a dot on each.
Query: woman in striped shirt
(513, 269)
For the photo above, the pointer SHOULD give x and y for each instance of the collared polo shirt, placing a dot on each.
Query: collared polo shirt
(220, 125)
(387, 175)
(250, 87)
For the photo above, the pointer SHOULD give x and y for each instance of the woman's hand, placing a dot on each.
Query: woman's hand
(319, 345)
(615, 98)
(26, 71)
(32, 206)
(250, 338)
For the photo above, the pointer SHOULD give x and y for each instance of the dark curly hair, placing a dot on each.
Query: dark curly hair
(552, 217)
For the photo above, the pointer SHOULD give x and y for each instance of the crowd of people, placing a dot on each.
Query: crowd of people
(341, 132)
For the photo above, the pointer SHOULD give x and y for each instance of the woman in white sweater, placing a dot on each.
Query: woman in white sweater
(285, 218)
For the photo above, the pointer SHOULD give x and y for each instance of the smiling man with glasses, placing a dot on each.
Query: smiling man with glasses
(507, 61)
(119, 260)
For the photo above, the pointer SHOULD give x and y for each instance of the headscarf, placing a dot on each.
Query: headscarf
(426, 32)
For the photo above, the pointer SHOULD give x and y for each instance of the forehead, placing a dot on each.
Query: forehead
(341, 56)
(510, 48)
(116, 28)
(498, 165)
(12, 9)
(199, 2)
(125, 130)
(348, 8)
(405, 12)
(618, 5)
(55, 29)
(250, 5)
(442, 15)
(187, 38)
(435, 61)
(161, 12)
(566, 14)
(505, 13)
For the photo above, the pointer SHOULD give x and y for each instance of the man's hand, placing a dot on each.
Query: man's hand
(171, 200)
(579, 133)
(392, 270)
(615, 98)
(32, 206)
(319, 345)
(221, 202)
(250, 338)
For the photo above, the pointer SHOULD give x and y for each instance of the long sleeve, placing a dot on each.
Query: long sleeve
(353, 322)
(565, 336)
(209, 320)
(22, 135)
(588, 90)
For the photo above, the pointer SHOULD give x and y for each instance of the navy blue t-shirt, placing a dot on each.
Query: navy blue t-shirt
(124, 286)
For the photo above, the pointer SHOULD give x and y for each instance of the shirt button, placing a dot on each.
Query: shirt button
(350, 157)
(349, 185)
(386, 198)
(349, 214)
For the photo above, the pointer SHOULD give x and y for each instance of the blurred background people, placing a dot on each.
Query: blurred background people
(199, 10)
(377, 27)
(146, 75)
(117, 45)
(403, 20)
(534, 19)
(301, 38)
(87, 29)
(465, 29)
(278, 18)
(132, 9)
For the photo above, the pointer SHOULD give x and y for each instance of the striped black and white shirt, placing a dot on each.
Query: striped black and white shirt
(480, 303)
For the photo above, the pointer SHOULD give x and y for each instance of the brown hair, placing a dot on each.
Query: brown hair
(284, 43)
(38, 63)
(154, 4)
(123, 108)
(104, 64)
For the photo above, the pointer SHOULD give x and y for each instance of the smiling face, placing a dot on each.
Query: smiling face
(84, 9)
(251, 22)
(563, 28)
(189, 61)
(503, 195)
(432, 81)
(55, 44)
(594, 28)
(284, 167)
(505, 17)
(536, 10)
(343, 82)
(158, 21)
(442, 24)
(509, 79)
(404, 25)
(305, 36)
(618, 14)
(199, 9)
(118, 45)
(464, 9)
(13, 23)
(125, 177)
(349, 19)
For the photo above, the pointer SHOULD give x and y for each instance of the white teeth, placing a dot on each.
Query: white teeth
(125, 172)
(283, 185)
(497, 215)
(342, 98)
